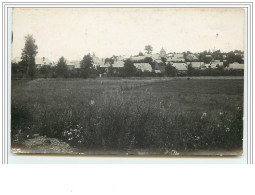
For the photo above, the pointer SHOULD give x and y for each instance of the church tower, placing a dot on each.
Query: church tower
(162, 53)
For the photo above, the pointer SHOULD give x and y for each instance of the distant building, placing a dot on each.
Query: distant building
(175, 59)
(235, 66)
(205, 66)
(216, 64)
(137, 58)
(180, 67)
(192, 58)
(179, 55)
(197, 65)
(153, 56)
(70, 65)
(97, 61)
(158, 61)
(162, 53)
(144, 67)
(39, 62)
(118, 64)
(159, 68)
(76, 63)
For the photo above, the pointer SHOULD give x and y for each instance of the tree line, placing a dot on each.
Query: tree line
(27, 66)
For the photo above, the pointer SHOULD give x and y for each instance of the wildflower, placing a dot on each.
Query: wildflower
(227, 130)
(174, 152)
(27, 136)
(203, 115)
(92, 102)
(218, 125)
(221, 113)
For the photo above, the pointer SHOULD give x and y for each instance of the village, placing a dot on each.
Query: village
(154, 64)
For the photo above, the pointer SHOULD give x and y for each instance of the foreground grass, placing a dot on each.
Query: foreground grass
(127, 114)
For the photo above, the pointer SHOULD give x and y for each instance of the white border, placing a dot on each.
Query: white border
(113, 160)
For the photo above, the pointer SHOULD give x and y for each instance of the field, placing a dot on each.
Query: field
(168, 116)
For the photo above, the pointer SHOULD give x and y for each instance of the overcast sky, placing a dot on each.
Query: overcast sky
(74, 32)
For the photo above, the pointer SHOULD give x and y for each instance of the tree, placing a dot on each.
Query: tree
(87, 66)
(148, 48)
(231, 58)
(28, 55)
(129, 68)
(110, 70)
(164, 60)
(62, 67)
(170, 70)
(147, 60)
(140, 53)
(190, 70)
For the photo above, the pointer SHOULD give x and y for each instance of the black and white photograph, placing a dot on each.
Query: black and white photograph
(127, 81)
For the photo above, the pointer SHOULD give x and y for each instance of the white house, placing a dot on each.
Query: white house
(235, 66)
(118, 64)
(144, 67)
(182, 67)
(216, 64)
(39, 62)
(197, 65)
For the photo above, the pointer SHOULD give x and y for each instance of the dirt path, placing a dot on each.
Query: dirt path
(42, 144)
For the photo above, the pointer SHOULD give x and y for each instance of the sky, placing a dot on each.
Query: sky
(75, 32)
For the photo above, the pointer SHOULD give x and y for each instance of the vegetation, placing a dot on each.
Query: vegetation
(62, 67)
(28, 56)
(87, 66)
(129, 68)
(148, 49)
(156, 114)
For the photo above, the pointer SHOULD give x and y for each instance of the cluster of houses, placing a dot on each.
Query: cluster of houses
(177, 60)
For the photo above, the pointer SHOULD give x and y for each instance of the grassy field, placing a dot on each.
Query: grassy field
(165, 115)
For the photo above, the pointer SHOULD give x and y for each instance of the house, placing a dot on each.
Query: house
(180, 67)
(144, 67)
(208, 56)
(39, 62)
(118, 64)
(159, 68)
(103, 67)
(235, 66)
(97, 61)
(153, 56)
(197, 65)
(122, 57)
(70, 65)
(179, 55)
(76, 63)
(175, 59)
(137, 58)
(205, 66)
(216, 64)
(159, 61)
(192, 58)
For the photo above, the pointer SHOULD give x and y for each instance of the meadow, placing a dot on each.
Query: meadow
(164, 115)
